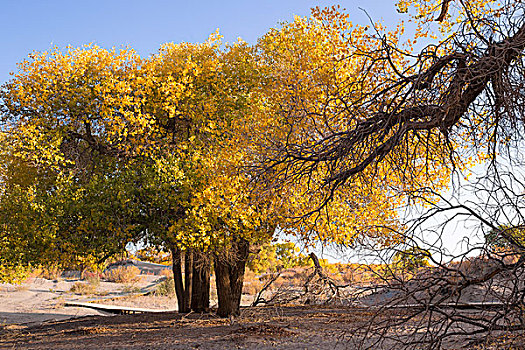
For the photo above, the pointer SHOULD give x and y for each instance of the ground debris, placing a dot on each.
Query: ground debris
(264, 329)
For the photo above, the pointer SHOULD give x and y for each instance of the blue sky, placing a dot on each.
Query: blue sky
(38, 25)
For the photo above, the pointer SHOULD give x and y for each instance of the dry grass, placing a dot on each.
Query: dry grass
(122, 274)
(168, 273)
(51, 272)
(507, 341)
(89, 286)
(131, 289)
(83, 288)
(165, 288)
(21, 288)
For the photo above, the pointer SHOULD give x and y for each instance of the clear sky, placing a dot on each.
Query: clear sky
(38, 25)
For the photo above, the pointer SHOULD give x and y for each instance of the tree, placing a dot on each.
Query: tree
(506, 237)
(314, 70)
(410, 260)
(199, 94)
(61, 115)
(407, 120)
(48, 219)
(410, 119)
(148, 146)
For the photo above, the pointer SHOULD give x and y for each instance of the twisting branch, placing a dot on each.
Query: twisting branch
(444, 10)
(419, 105)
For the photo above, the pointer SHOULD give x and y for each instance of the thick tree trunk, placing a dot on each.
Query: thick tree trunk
(200, 300)
(177, 277)
(224, 291)
(229, 276)
(192, 289)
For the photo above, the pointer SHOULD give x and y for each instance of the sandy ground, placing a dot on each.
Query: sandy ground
(34, 316)
(40, 300)
(263, 328)
(257, 328)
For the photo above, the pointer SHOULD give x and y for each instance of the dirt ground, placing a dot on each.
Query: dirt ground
(40, 300)
(257, 328)
(34, 316)
(285, 327)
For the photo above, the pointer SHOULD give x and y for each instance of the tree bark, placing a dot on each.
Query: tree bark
(229, 276)
(192, 289)
(200, 300)
(177, 277)
(188, 279)
(224, 292)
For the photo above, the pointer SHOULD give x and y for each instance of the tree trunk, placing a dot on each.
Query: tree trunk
(188, 279)
(200, 300)
(192, 290)
(237, 273)
(224, 291)
(177, 277)
(229, 276)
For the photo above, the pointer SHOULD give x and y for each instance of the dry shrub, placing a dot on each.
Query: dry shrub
(292, 278)
(295, 277)
(252, 285)
(131, 289)
(279, 283)
(337, 278)
(349, 276)
(122, 274)
(51, 272)
(249, 289)
(296, 280)
(477, 266)
(168, 273)
(363, 274)
(83, 288)
(14, 274)
(250, 276)
(91, 277)
(165, 288)
(89, 286)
